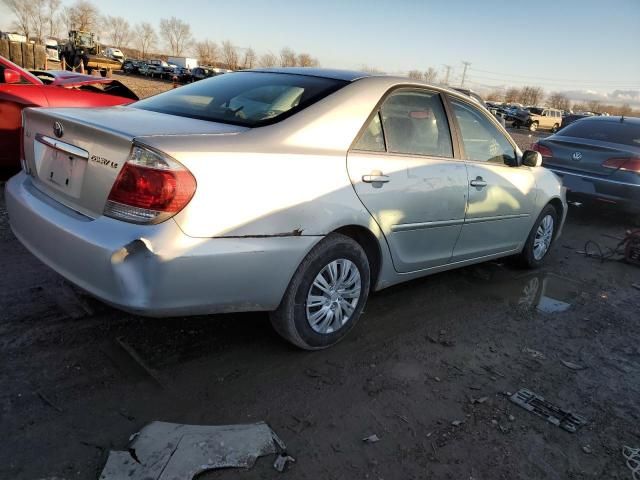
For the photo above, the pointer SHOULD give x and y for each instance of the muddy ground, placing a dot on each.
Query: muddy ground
(78, 377)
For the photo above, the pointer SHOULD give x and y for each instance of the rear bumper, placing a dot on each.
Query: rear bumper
(153, 270)
(598, 187)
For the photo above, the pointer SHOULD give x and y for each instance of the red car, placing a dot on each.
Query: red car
(51, 88)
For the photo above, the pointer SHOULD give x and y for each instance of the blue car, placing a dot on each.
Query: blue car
(598, 157)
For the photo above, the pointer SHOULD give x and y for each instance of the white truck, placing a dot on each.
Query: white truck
(184, 62)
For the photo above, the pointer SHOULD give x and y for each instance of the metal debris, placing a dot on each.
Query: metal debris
(552, 413)
(632, 456)
(572, 366)
(281, 462)
(371, 439)
(172, 451)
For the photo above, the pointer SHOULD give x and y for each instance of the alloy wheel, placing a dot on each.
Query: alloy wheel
(544, 235)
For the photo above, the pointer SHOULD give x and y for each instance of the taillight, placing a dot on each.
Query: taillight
(150, 188)
(627, 164)
(544, 151)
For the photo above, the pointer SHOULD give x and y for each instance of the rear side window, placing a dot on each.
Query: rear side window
(372, 139)
(482, 140)
(611, 131)
(414, 122)
(250, 99)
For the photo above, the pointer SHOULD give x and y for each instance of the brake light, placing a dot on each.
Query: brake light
(544, 151)
(150, 188)
(627, 164)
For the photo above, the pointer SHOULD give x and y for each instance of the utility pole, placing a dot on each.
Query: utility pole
(464, 72)
(446, 78)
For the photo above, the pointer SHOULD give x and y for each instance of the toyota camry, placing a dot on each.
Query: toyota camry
(295, 191)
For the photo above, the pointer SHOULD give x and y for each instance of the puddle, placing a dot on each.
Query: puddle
(545, 292)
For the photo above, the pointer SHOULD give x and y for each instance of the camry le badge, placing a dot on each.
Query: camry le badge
(58, 130)
(577, 156)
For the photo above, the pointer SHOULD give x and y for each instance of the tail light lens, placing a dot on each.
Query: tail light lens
(544, 151)
(150, 188)
(627, 164)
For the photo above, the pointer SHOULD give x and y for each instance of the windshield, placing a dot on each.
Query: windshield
(537, 111)
(249, 99)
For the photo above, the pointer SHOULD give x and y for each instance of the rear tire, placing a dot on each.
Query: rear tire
(555, 128)
(540, 238)
(316, 312)
(533, 126)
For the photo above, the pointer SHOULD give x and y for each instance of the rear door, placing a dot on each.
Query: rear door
(501, 197)
(403, 171)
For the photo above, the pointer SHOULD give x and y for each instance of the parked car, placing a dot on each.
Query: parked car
(20, 89)
(131, 66)
(200, 73)
(114, 53)
(569, 119)
(597, 157)
(277, 190)
(534, 118)
(156, 68)
(183, 74)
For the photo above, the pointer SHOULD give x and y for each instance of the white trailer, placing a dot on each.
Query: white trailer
(184, 62)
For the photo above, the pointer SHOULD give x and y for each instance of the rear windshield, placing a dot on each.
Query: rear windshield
(607, 131)
(250, 99)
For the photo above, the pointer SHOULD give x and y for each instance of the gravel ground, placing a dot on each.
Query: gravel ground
(142, 86)
(411, 372)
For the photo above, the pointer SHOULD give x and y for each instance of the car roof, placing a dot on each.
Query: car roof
(612, 119)
(335, 74)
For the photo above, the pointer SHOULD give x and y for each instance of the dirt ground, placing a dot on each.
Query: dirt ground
(78, 377)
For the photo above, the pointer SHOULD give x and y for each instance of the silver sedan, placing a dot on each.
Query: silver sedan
(296, 191)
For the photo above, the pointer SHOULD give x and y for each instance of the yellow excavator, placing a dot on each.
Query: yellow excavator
(82, 48)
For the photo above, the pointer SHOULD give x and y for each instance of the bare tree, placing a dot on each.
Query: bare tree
(23, 12)
(268, 60)
(39, 20)
(531, 95)
(594, 106)
(146, 38)
(369, 69)
(176, 33)
(625, 110)
(82, 15)
(495, 96)
(558, 100)
(208, 52)
(230, 55)
(119, 30)
(249, 58)
(512, 95)
(52, 17)
(415, 74)
(306, 60)
(430, 75)
(288, 58)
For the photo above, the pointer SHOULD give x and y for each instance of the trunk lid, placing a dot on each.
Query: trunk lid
(75, 155)
(581, 155)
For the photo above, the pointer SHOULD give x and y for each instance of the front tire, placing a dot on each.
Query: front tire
(326, 295)
(555, 128)
(533, 126)
(540, 238)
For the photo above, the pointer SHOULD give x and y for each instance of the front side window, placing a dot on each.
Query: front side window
(250, 99)
(415, 123)
(482, 140)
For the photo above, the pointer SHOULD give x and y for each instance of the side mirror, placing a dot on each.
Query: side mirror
(532, 158)
(11, 76)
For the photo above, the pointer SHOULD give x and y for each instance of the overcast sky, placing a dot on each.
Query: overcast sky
(577, 45)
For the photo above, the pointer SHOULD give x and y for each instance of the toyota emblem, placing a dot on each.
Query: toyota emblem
(58, 130)
(577, 156)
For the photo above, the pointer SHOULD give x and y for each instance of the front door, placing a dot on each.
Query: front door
(403, 171)
(501, 197)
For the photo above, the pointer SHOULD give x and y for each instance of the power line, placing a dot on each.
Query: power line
(571, 80)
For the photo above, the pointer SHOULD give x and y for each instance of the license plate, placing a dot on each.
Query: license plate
(59, 170)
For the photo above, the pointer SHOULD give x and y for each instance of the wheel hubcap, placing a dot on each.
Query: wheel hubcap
(544, 235)
(333, 296)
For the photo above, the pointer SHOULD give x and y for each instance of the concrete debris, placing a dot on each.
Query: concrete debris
(281, 462)
(173, 451)
(371, 439)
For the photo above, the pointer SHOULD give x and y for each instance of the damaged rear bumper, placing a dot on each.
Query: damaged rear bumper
(154, 270)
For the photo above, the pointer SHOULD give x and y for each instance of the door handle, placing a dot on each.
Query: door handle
(375, 178)
(478, 182)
